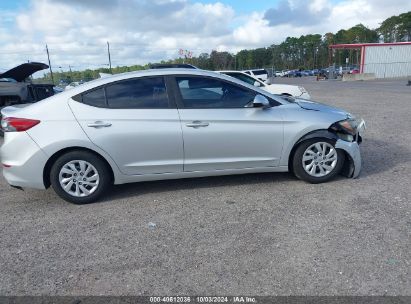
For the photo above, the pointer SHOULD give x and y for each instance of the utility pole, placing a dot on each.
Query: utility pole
(109, 56)
(71, 73)
(51, 71)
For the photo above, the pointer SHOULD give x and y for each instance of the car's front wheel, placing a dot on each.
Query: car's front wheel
(80, 177)
(317, 160)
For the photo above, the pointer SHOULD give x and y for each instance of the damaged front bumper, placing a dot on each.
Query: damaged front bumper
(352, 167)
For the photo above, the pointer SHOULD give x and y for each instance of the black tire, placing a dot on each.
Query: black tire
(99, 164)
(297, 162)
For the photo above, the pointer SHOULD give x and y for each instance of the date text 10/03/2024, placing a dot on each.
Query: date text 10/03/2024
(203, 299)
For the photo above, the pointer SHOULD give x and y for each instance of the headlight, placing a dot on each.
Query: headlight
(346, 129)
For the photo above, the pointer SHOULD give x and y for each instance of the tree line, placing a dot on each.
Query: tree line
(306, 52)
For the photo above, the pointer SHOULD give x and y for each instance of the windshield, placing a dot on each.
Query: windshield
(245, 78)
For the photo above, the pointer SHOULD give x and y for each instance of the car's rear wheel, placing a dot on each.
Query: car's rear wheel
(317, 160)
(80, 177)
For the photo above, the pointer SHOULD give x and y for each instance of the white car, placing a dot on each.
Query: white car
(278, 89)
(281, 73)
(260, 74)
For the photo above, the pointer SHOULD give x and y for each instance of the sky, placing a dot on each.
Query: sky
(142, 31)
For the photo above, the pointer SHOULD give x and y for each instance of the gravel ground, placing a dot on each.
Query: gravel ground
(260, 234)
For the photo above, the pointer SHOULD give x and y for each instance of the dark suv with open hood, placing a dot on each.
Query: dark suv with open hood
(15, 88)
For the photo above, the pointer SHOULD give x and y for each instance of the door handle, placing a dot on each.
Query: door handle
(197, 124)
(99, 124)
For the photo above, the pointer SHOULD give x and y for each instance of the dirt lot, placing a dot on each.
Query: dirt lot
(262, 234)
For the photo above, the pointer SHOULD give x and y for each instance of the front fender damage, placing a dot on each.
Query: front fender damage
(352, 165)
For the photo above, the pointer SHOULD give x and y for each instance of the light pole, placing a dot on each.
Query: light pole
(51, 71)
(109, 56)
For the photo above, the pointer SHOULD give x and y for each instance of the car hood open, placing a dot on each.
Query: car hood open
(22, 71)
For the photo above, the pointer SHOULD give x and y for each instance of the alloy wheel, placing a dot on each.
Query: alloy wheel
(320, 159)
(79, 178)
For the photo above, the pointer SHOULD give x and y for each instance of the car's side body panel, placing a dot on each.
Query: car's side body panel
(153, 177)
(23, 161)
(234, 138)
(141, 141)
(299, 122)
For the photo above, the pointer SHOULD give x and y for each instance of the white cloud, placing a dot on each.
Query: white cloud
(320, 16)
(141, 31)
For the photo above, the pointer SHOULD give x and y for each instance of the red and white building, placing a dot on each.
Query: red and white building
(385, 60)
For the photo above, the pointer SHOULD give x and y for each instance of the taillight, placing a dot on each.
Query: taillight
(13, 124)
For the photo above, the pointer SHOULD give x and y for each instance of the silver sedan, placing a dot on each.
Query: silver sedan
(168, 124)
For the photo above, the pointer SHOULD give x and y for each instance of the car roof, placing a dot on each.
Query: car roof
(150, 72)
(172, 65)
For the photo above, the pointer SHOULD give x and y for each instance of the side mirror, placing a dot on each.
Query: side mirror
(257, 84)
(261, 101)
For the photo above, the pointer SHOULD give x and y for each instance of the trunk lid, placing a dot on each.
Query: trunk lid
(23, 71)
(12, 110)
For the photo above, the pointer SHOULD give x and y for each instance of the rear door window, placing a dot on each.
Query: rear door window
(138, 93)
(95, 98)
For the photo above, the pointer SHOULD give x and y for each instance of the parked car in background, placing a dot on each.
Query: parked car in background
(57, 89)
(73, 84)
(168, 124)
(17, 88)
(346, 70)
(294, 73)
(261, 74)
(279, 89)
(281, 73)
(64, 82)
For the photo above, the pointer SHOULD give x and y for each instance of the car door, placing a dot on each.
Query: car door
(220, 129)
(135, 122)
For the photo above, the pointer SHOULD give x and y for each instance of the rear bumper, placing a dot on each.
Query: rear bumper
(24, 161)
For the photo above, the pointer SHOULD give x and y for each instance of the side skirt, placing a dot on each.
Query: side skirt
(163, 176)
